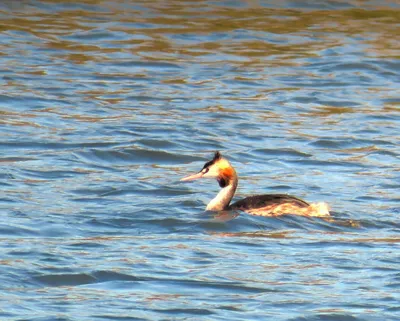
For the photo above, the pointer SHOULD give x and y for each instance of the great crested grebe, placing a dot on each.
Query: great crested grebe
(264, 205)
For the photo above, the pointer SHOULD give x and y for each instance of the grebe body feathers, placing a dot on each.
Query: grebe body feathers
(264, 205)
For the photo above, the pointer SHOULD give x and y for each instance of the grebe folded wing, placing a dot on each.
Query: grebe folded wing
(276, 204)
(259, 201)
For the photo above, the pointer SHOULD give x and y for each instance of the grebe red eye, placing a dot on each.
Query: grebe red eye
(205, 170)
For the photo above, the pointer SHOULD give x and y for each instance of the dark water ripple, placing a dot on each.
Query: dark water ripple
(106, 105)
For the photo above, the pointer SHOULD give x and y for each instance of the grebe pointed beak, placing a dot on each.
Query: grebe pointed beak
(192, 177)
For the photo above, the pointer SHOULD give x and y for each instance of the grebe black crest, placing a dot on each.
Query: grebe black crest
(264, 205)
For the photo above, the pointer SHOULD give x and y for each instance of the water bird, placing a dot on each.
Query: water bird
(263, 205)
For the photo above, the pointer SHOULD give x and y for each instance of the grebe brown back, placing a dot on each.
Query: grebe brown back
(264, 205)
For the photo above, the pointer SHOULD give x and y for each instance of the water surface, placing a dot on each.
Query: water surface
(105, 105)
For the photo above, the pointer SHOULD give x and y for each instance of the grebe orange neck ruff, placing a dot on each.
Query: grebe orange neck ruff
(264, 205)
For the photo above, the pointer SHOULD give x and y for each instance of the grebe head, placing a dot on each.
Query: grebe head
(218, 168)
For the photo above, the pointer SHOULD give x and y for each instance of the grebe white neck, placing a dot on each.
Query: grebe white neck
(224, 197)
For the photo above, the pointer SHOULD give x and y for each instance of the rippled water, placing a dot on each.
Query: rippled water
(105, 105)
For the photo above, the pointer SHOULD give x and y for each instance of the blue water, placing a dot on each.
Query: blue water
(105, 105)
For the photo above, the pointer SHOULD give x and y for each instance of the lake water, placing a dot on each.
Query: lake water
(105, 105)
